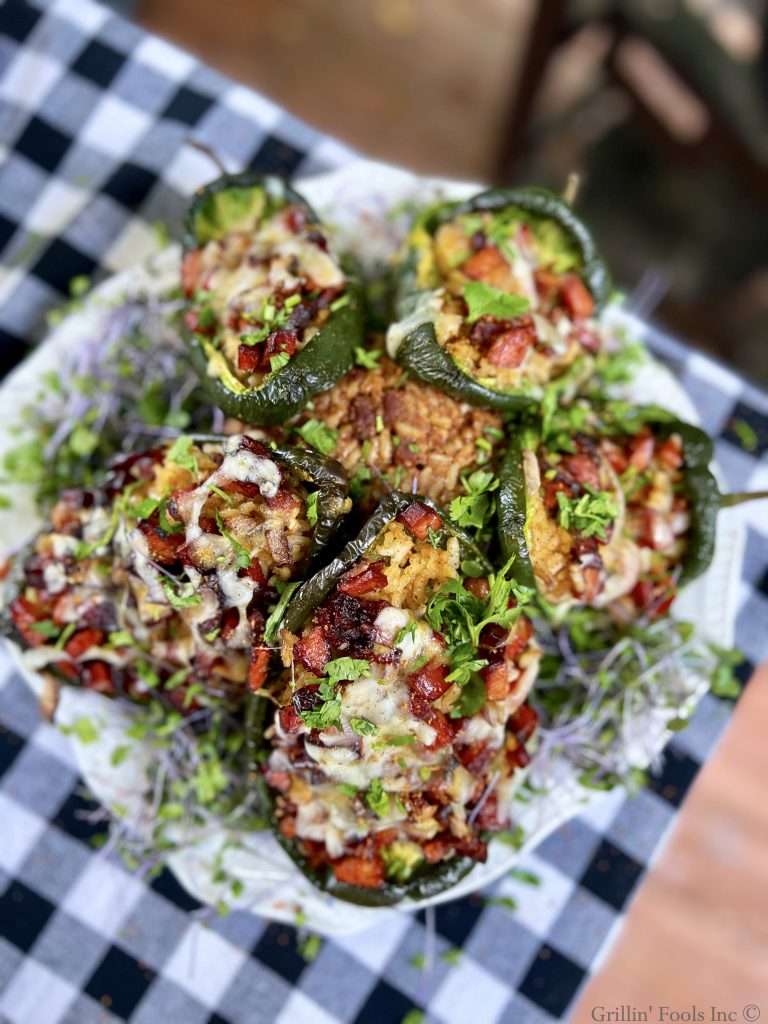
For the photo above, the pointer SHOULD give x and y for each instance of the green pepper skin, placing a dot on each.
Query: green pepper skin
(430, 880)
(422, 355)
(316, 368)
(700, 488)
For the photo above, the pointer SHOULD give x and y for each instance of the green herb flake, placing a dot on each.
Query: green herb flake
(319, 436)
(363, 727)
(377, 799)
(746, 434)
(484, 300)
(590, 515)
(83, 729)
(367, 358)
(311, 507)
(179, 600)
(180, 453)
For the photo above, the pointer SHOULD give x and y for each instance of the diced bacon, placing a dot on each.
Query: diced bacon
(190, 271)
(442, 727)
(257, 670)
(163, 547)
(488, 815)
(313, 651)
(518, 640)
(24, 614)
(364, 581)
(483, 263)
(475, 756)
(518, 756)
(510, 348)
(523, 723)
(280, 341)
(496, 680)
(547, 284)
(581, 467)
(82, 641)
(289, 719)
(229, 622)
(249, 358)
(384, 838)
(97, 675)
(366, 874)
(616, 457)
(420, 519)
(256, 573)
(435, 850)
(284, 500)
(576, 297)
(641, 451)
(429, 682)
(670, 453)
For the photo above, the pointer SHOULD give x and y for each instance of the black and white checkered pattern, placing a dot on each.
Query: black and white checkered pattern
(93, 118)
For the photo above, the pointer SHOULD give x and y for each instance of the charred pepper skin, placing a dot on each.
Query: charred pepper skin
(422, 355)
(699, 484)
(429, 880)
(316, 367)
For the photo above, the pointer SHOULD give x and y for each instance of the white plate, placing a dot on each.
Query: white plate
(356, 200)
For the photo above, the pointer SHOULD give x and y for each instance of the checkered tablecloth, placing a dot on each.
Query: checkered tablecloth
(94, 115)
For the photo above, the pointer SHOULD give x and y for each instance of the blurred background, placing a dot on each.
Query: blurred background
(661, 105)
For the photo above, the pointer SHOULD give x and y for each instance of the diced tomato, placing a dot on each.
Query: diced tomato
(510, 348)
(280, 341)
(24, 614)
(249, 358)
(496, 680)
(97, 675)
(654, 598)
(256, 573)
(82, 641)
(641, 451)
(582, 468)
(367, 874)
(420, 519)
(523, 723)
(191, 266)
(483, 263)
(547, 284)
(257, 670)
(519, 639)
(442, 727)
(576, 297)
(5, 567)
(549, 491)
(670, 453)
(289, 719)
(429, 682)
(313, 651)
(364, 581)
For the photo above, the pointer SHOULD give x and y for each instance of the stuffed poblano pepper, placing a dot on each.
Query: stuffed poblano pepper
(401, 725)
(161, 582)
(272, 317)
(611, 507)
(498, 297)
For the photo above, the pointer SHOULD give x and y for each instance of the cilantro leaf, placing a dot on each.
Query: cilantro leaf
(178, 600)
(363, 727)
(346, 668)
(484, 300)
(367, 358)
(311, 507)
(319, 436)
(377, 799)
(590, 515)
(180, 453)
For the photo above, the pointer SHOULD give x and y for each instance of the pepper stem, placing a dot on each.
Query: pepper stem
(206, 150)
(740, 497)
(572, 186)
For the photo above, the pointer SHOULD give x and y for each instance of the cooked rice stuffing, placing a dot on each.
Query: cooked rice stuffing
(395, 432)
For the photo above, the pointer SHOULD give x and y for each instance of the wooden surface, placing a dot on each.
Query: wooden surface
(697, 932)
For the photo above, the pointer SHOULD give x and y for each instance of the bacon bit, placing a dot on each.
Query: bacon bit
(483, 263)
(582, 469)
(523, 723)
(24, 614)
(670, 453)
(429, 682)
(641, 450)
(256, 573)
(471, 846)
(67, 669)
(313, 651)
(615, 455)
(420, 519)
(287, 828)
(488, 815)
(163, 547)
(442, 728)
(549, 491)
(384, 838)
(518, 640)
(284, 500)
(367, 874)
(257, 670)
(280, 341)
(289, 719)
(296, 218)
(655, 530)
(517, 756)
(547, 284)
(97, 675)
(370, 578)
(511, 347)
(82, 641)
(229, 622)
(478, 587)
(249, 358)
(475, 756)
(435, 850)
(576, 297)
(496, 680)
(190, 271)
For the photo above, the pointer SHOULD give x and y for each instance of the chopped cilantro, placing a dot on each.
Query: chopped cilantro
(46, 628)
(746, 434)
(176, 599)
(346, 668)
(363, 726)
(180, 453)
(367, 358)
(590, 515)
(120, 638)
(119, 754)
(377, 799)
(311, 507)
(83, 728)
(348, 790)
(484, 300)
(319, 436)
(278, 361)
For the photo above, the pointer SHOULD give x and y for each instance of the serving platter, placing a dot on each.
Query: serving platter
(358, 201)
